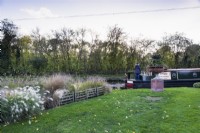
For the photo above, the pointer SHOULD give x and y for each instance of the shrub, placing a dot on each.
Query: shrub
(75, 86)
(107, 89)
(58, 94)
(59, 84)
(90, 82)
(19, 81)
(38, 62)
(20, 103)
(56, 81)
(98, 82)
(196, 85)
(53, 83)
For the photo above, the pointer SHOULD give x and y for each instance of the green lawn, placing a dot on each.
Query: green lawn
(176, 110)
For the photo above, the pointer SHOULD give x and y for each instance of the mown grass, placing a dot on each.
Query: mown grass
(123, 111)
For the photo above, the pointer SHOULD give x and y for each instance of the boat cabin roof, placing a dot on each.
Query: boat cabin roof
(179, 69)
(183, 69)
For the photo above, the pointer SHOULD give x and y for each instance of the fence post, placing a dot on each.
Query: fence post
(86, 93)
(74, 96)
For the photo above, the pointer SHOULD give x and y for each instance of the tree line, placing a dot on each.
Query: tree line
(82, 52)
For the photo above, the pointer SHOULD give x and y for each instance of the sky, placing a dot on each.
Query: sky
(57, 14)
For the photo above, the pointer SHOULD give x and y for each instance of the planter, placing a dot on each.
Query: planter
(100, 91)
(67, 98)
(81, 95)
(91, 92)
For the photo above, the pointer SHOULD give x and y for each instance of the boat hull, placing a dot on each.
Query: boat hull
(167, 83)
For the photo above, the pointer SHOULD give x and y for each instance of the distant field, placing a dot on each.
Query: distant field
(176, 110)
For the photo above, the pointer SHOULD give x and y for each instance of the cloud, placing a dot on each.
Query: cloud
(42, 12)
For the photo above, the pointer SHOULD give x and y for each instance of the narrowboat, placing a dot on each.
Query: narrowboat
(184, 77)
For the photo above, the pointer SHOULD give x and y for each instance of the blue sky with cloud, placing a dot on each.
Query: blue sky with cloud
(151, 25)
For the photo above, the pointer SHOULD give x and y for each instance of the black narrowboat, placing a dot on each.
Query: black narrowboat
(184, 77)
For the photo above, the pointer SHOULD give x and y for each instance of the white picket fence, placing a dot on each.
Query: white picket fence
(81, 95)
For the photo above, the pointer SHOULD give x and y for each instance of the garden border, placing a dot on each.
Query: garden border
(81, 95)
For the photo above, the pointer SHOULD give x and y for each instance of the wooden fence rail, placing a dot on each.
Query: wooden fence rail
(81, 95)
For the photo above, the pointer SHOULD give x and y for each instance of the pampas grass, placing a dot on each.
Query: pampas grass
(54, 83)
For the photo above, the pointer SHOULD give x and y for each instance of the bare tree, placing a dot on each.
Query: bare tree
(82, 48)
(40, 43)
(67, 36)
(116, 48)
(178, 43)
